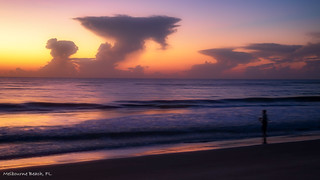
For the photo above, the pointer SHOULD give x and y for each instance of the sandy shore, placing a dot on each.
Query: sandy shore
(295, 160)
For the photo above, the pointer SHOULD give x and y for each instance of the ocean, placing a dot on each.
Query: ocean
(50, 116)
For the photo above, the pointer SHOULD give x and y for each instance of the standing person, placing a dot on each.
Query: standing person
(264, 124)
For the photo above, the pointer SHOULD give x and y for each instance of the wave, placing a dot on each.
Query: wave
(279, 99)
(48, 142)
(243, 100)
(49, 106)
(166, 104)
(38, 135)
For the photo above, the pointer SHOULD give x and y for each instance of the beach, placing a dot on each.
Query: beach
(292, 160)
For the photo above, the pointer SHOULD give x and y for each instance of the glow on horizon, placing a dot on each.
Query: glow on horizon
(27, 25)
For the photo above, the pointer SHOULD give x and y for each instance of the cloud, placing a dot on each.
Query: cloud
(280, 52)
(271, 61)
(311, 50)
(312, 68)
(227, 58)
(285, 53)
(61, 49)
(271, 71)
(283, 57)
(130, 34)
(61, 64)
(257, 60)
(315, 35)
(272, 51)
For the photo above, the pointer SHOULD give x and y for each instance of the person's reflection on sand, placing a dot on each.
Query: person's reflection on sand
(264, 124)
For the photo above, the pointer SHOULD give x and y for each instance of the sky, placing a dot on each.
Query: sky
(215, 39)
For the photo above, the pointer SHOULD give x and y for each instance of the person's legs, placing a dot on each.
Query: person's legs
(264, 134)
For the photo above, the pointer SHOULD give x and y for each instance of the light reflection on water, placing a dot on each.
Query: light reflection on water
(71, 118)
(149, 119)
(150, 150)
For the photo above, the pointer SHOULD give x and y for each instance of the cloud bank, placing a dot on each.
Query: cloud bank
(314, 35)
(129, 34)
(227, 58)
(274, 61)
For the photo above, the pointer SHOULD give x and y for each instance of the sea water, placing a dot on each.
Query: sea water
(46, 116)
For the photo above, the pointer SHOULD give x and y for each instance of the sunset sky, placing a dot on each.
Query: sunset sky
(168, 38)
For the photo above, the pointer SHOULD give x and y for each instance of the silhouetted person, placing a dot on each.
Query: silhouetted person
(264, 123)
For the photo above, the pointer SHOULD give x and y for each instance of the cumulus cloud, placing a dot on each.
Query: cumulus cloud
(61, 64)
(130, 34)
(61, 49)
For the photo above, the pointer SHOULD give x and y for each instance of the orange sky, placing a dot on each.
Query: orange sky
(27, 25)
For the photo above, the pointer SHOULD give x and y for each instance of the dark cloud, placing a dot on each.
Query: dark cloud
(270, 71)
(130, 34)
(205, 70)
(311, 50)
(273, 48)
(226, 59)
(284, 61)
(272, 51)
(18, 72)
(285, 53)
(283, 57)
(315, 35)
(61, 49)
(311, 70)
(61, 64)
(137, 70)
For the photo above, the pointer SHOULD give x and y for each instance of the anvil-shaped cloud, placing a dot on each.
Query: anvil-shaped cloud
(129, 33)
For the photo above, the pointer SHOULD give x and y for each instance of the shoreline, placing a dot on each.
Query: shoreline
(290, 160)
(87, 156)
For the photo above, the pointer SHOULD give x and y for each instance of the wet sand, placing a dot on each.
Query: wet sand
(293, 160)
